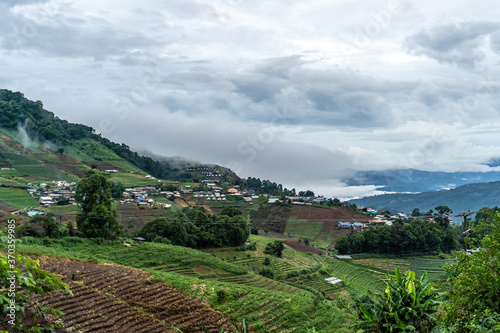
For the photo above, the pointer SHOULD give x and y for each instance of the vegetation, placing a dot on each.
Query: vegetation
(17, 198)
(96, 218)
(264, 303)
(21, 279)
(400, 238)
(407, 305)
(474, 284)
(196, 229)
(276, 248)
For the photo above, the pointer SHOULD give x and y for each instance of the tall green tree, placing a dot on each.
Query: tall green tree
(96, 218)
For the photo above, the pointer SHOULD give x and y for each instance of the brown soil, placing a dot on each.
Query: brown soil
(110, 298)
(304, 248)
(6, 208)
(333, 214)
(12, 143)
(101, 166)
(143, 216)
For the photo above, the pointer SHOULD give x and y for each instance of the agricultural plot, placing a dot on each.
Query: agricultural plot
(433, 267)
(303, 229)
(109, 298)
(129, 179)
(17, 198)
(266, 307)
(359, 278)
(11, 182)
(385, 264)
(26, 165)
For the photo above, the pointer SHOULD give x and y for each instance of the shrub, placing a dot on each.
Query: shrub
(221, 295)
(267, 261)
(267, 272)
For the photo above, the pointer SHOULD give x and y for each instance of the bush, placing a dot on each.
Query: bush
(221, 295)
(267, 272)
(254, 231)
(267, 261)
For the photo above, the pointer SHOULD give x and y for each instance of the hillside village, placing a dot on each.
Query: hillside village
(62, 193)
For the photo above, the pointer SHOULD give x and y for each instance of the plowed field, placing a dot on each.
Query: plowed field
(332, 214)
(110, 298)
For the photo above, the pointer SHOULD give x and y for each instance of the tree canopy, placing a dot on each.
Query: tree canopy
(96, 217)
(400, 238)
(195, 228)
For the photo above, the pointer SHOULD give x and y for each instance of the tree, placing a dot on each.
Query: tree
(51, 227)
(415, 212)
(276, 248)
(408, 304)
(474, 283)
(96, 217)
(231, 211)
(117, 190)
(20, 279)
(442, 216)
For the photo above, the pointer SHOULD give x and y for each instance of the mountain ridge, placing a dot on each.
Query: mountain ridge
(473, 196)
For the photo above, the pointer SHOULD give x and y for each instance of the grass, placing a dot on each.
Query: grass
(17, 198)
(303, 229)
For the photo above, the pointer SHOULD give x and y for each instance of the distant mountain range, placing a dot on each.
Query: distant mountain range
(470, 196)
(413, 181)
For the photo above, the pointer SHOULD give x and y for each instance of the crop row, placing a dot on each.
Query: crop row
(113, 298)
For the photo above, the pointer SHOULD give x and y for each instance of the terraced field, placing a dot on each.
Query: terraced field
(110, 298)
(268, 305)
(433, 267)
(251, 279)
(17, 198)
(385, 264)
(359, 278)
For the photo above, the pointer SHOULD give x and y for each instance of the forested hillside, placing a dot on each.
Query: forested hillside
(17, 111)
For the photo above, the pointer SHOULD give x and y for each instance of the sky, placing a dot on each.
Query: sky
(299, 92)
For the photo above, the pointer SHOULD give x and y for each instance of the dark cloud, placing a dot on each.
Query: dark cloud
(460, 44)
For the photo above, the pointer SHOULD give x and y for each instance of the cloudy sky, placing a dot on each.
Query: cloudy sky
(296, 91)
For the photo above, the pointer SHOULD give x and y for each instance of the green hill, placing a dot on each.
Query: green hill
(37, 146)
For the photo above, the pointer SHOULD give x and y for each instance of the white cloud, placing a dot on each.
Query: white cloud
(341, 84)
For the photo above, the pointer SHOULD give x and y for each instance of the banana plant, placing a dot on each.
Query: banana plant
(407, 305)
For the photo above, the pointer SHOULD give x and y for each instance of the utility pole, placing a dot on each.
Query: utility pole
(465, 215)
